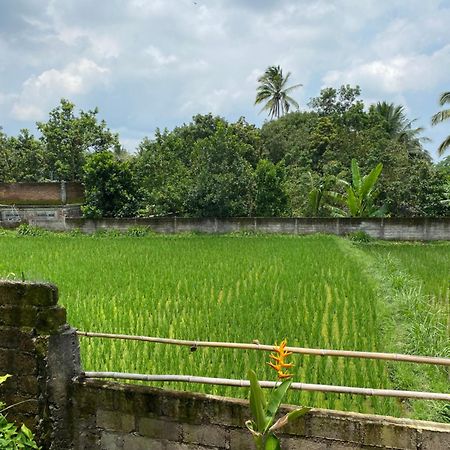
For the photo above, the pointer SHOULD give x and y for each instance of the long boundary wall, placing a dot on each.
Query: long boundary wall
(41, 351)
(411, 229)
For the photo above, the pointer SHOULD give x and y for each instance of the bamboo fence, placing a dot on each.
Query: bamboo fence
(269, 348)
(270, 384)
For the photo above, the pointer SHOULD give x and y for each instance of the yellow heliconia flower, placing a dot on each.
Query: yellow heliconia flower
(280, 364)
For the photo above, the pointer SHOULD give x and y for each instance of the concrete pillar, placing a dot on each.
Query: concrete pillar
(41, 353)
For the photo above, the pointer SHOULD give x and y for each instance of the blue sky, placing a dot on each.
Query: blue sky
(155, 63)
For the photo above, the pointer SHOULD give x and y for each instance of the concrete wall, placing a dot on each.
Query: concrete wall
(11, 216)
(68, 413)
(390, 228)
(50, 193)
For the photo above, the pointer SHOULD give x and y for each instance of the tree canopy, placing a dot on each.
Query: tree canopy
(303, 163)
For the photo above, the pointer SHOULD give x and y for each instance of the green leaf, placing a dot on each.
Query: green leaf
(257, 401)
(272, 443)
(4, 378)
(370, 180)
(352, 203)
(289, 417)
(297, 413)
(356, 175)
(275, 400)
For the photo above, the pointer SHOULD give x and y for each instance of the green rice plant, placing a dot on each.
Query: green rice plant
(201, 287)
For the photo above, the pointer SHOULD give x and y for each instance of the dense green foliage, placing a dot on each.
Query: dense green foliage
(211, 167)
(317, 291)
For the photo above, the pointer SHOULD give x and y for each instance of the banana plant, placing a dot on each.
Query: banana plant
(360, 194)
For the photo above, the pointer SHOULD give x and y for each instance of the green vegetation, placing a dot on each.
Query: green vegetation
(212, 167)
(319, 291)
(440, 117)
(12, 437)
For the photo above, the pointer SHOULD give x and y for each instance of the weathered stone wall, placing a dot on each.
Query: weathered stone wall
(114, 416)
(50, 193)
(422, 229)
(41, 351)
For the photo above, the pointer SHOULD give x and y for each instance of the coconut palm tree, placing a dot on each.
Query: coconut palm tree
(400, 127)
(440, 117)
(272, 89)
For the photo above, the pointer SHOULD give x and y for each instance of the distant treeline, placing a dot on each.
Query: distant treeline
(210, 167)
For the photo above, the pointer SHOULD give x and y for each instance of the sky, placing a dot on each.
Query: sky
(150, 64)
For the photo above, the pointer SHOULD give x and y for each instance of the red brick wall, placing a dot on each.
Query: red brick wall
(40, 193)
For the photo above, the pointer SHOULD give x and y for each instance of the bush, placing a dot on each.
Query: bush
(360, 236)
(29, 230)
(139, 231)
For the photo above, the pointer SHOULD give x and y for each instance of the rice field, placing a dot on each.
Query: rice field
(318, 291)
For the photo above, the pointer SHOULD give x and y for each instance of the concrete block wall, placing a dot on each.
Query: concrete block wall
(68, 412)
(421, 229)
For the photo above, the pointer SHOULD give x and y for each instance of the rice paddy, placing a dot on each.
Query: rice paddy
(318, 291)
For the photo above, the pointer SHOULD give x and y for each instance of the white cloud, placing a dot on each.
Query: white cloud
(39, 92)
(397, 74)
(159, 59)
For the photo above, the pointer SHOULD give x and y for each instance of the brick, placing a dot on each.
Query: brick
(18, 316)
(336, 428)
(16, 339)
(240, 440)
(135, 442)
(14, 362)
(28, 294)
(435, 439)
(50, 320)
(115, 420)
(28, 385)
(304, 444)
(212, 435)
(159, 429)
(390, 435)
(111, 441)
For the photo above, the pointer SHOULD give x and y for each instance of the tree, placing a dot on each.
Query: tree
(111, 190)
(27, 157)
(399, 127)
(441, 116)
(271, 200)
(360, 194)
(70, 138)
(222, 179)
(272, 89)
(5, 159)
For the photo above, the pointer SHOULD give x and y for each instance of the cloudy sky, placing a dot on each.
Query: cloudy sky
(156, 63)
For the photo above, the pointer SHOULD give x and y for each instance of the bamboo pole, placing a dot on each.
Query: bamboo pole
(268, 348)
(270, 384)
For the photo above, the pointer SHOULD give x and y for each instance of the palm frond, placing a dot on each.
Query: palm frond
(440, 116)
(444, 146)
(444, 98)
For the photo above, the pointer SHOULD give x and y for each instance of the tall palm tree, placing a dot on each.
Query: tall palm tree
(400, 127)
(272, 90)
(440, 117)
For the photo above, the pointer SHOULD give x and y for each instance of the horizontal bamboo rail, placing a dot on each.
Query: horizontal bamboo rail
(268, 348)
(269, 384)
